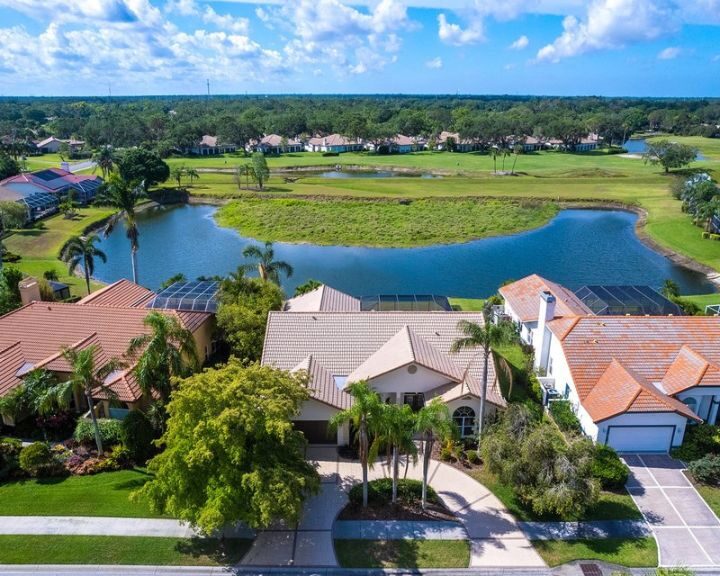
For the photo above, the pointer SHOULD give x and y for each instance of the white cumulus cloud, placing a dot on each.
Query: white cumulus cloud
(455, 35)
(669, 53)
(434, 63)
(520, 44)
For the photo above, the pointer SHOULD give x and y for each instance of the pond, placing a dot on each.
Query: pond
(577, 247)
(639, 146)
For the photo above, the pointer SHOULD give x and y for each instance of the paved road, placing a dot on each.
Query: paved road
(496, 540)
(686, 529)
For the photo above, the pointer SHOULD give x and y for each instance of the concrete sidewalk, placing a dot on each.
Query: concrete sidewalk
(104, 526)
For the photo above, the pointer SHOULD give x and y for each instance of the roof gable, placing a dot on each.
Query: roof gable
(322, 384)
(323, 299)
(690, 369)
(523, 297)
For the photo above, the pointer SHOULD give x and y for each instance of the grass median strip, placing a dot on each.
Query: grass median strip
(630, 552)
(121, 550)
(403, 553)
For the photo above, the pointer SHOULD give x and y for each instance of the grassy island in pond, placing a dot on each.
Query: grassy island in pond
(382, 222)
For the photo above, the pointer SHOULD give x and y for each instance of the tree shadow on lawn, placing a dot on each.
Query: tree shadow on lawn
(226, 551)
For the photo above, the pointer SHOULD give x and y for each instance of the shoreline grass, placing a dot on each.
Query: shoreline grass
(117, 550)
(403, 553)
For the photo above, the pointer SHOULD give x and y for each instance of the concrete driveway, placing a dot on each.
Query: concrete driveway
(686, 529)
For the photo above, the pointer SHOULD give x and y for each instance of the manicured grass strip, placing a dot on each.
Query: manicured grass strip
(630, 552)
(403, 553)
(611, 506)
(711, 494)
(105, 494)
(703, 300)
(120, 550)
(382, 223)
(467, 304)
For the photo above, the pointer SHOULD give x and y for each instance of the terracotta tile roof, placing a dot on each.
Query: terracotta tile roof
(690, 369)
(332, 140)
(123, 293)
(523, 297)
(12, 359)
(664, 352)
(276, 140)
(322, 384)
(342, 341)
(323, 299)
(620, 390)
(44, 328)
(406, 347)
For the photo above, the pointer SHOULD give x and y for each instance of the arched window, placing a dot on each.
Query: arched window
(464, 417)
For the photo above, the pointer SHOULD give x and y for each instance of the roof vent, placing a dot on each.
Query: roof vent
(412, 369)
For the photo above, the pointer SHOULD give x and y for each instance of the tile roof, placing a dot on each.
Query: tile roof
(277, 140)
(406, 347)
(122, 293)
(322, 384)
(667, 353)
(323, 299)
(342, 341)
(523, 297)
(42, 329)
(331, 140)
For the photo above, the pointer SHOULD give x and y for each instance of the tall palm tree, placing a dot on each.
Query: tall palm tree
(104, 158)
(494, 153)
(82, 251)
(123, 196)
(395, 429)
(268, 268)
(192, 174)
(86, 377)
(432, 421)
(484, 336)
(177, 174)
(363, 415)
(167, 350)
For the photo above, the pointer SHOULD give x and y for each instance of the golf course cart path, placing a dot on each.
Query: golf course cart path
(686, 529)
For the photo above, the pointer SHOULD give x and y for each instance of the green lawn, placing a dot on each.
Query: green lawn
(403, 553)
(467, 304)
(711, 494)
(630, 552)
(611, 505)
(703, 300)
(39, 245)
(105, 494)
(120, 550)
(381, 223)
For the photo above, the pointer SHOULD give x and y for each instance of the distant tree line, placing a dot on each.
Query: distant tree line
(167, 123)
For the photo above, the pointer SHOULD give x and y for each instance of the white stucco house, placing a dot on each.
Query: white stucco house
(635, 382)
(405, 357)
(335, 143)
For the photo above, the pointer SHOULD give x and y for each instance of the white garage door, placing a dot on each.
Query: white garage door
(641, 438)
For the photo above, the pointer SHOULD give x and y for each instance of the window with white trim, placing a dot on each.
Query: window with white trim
(464, 417)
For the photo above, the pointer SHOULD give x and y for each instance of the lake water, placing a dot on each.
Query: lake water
(577, 247)
(639, 146)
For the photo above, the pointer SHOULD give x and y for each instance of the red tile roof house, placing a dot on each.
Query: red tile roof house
(405, 356)
(276, 144)
(33, 337)
(635, 382)
(399, 144)
(209, 146)
(333, 143)
(458, 144)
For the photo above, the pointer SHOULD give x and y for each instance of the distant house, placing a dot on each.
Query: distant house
(398, 144)
(587, 144)
(333, 143)
(53, 145)
(209, 146)
(532, 144)
(452, 142)
(42, 191)
(275, 144)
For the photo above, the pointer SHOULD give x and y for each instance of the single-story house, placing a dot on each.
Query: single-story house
(42, 191)
(53, 145)
(451, 141)
(209, 146)
(405, 357)
(34, 335)
(336, 143)
(398, 144)
(635, 382)
(275, 144)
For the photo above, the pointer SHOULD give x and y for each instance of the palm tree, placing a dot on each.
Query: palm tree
(192, 174)
(505, 152)
(82, 251)
(177, 174)
(363, 415)
(104, 158)
(167, 350)
(123, 196)
(517, 150)
(432, 421)
(86, 377)
(494, 153)
(268, 268)
(485, 336)
(395, 429)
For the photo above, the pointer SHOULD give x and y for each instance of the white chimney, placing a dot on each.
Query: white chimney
(29, 290)
(543, 337)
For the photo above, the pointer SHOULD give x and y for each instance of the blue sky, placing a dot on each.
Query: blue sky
(562, 47)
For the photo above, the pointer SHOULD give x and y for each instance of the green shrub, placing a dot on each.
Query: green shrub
(37, 460)
(446, 454)
(380, 492)
(562, 413)
(608, 468)
(119, 459)
(706, 470)
(138, 435)
(473, 456)
(699, 441)
(9, 457)
(110, 431)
